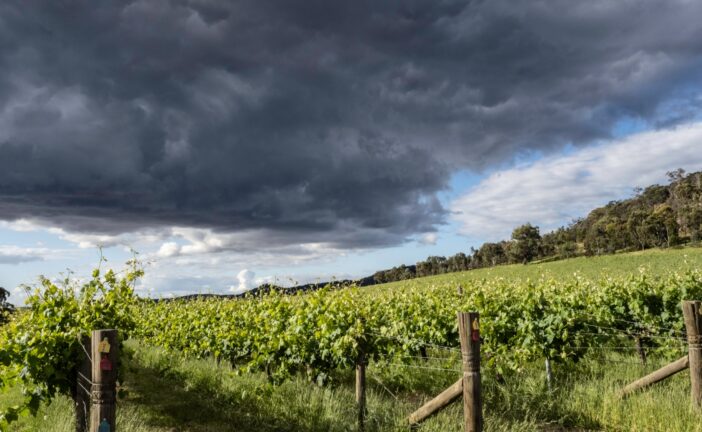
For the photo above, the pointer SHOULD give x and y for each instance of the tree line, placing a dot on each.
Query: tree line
(656, 216)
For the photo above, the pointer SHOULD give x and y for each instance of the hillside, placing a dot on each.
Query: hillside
(652, 261)
(660, 216)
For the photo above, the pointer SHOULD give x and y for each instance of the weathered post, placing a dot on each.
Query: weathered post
(104, 353)
(423, 353)
(693, 326)
(81, 395)
(361, 390)
(469, 332)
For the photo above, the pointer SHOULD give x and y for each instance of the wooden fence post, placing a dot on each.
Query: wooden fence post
(469, 332)
(83, 386)
(423, 353)
(104, 354)
(361, 390)
(693, 326)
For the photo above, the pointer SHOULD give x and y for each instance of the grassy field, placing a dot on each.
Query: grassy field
(168, 392)
(655, 261)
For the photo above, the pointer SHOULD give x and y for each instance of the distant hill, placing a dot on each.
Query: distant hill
(265, 288)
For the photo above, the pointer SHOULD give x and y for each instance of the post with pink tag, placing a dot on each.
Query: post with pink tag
(468, 386)
(105, 351)
(469, 333)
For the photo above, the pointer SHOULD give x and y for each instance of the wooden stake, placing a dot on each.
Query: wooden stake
(83, 384)
(659, 375)
(423, 353)
(361, 390)
(104, 352)
(693, 326)
(438, 403)
(469, 332)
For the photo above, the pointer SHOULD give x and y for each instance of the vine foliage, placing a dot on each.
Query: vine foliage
(40, 348)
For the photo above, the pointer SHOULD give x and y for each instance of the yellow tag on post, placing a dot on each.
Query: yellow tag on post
(104, 346)
(475, 333)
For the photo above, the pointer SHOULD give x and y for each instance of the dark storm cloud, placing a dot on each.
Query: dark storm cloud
(320, 119)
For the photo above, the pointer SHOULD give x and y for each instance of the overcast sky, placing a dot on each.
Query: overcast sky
(235, 142)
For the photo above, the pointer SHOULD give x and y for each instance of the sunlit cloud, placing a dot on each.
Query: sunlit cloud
(554, 190)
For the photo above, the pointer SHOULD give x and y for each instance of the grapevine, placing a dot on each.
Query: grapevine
(40, 349)
(522, 321)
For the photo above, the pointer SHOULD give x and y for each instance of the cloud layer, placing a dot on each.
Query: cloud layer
(18, 255)
(299, 120)
(555, 190)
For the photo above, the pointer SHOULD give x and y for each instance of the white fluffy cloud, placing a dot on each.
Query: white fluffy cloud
(554, 190)
(204, 247)
(246, 280)
(182, 260)
(168, 249)
(429, 239)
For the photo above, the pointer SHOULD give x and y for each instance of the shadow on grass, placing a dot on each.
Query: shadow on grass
(176, 395)
(176, 401)
(526, 397)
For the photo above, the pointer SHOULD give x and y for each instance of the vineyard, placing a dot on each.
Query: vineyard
(521, 322)
(568, 315)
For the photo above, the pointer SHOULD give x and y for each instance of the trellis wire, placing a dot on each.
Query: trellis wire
(420, 358)
(637, 323)
(418, 341)
(422, 367)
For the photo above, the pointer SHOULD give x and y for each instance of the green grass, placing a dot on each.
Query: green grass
(170, 393)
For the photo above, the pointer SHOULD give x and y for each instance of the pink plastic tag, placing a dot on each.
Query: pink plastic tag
(105, 364)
